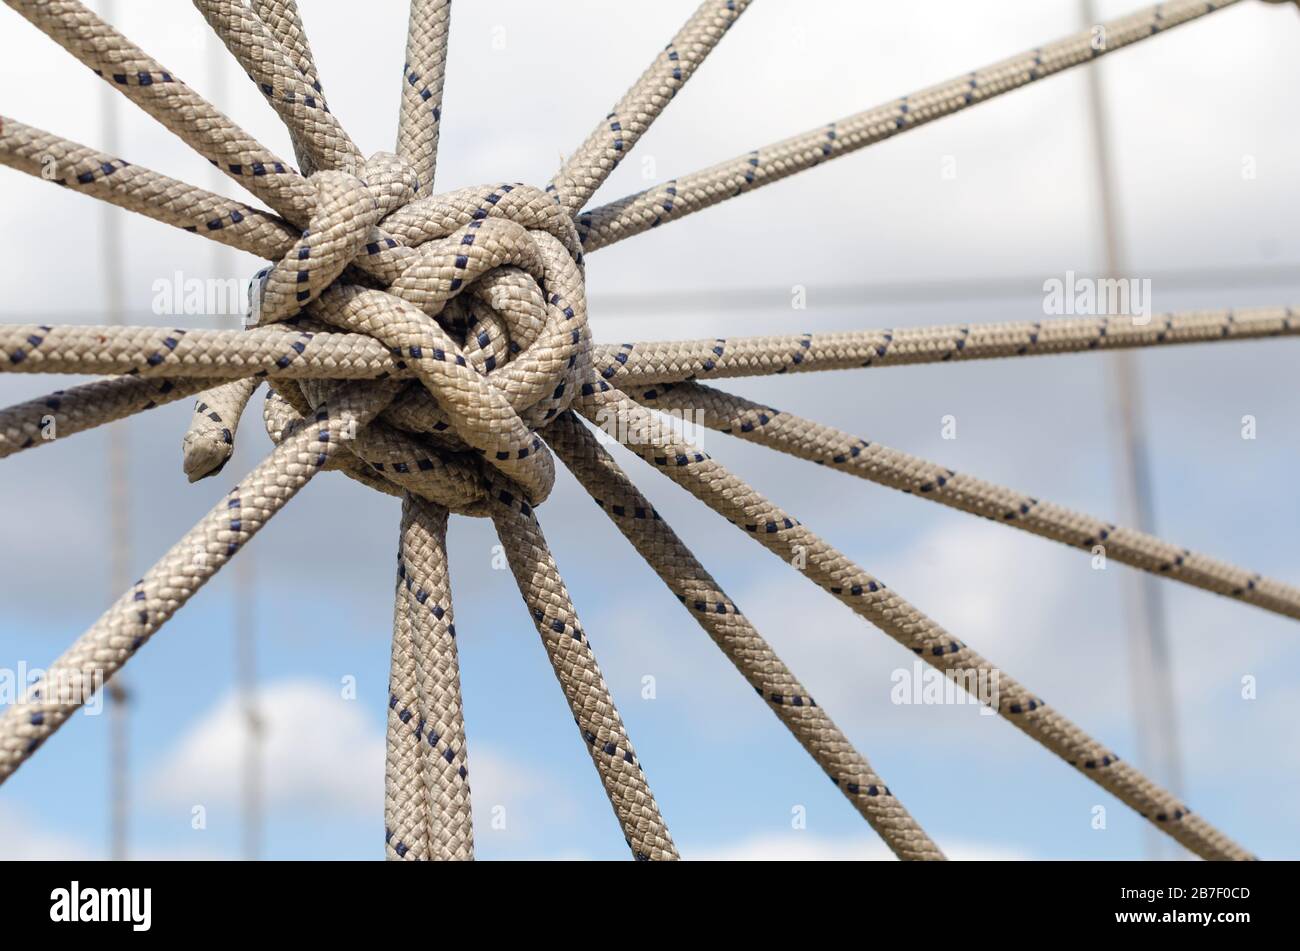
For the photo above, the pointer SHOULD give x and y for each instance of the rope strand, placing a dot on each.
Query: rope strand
(420, 119)
(867, 597)
(144, 191)
(682, 196)
(65, 412)
(678, 361)
(613, 138)
(748, 652)
(835, 449)
(99, 653)
(224, 354)
(162, 95)
(575, 666)
(426, 724)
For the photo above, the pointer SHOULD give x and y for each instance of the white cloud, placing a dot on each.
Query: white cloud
(319, 751)
(801, 847)
(23, 839)
(513, 802)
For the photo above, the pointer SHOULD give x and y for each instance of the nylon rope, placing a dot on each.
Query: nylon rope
(835, 449)
(748, 652)
(225, 354)
(423, 344)
(613, 138)
(869, 598)
(427, 811)
(682, 196)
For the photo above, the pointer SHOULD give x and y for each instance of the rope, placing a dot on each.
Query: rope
(426, 801)
(311, 354)
(100, 652)
(422, 78)
(142, 190)
(301, 106)
(807, 721)
(612, 139)
(682, 196)
(677, 361)
(866, 596)
(421, 344)
(836, 449)
(65, 412)
(158, 91)
(571, 656)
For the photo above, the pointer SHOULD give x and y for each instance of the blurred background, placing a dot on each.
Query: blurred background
(962, 220)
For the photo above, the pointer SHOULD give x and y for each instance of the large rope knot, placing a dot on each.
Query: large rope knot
(480, 295)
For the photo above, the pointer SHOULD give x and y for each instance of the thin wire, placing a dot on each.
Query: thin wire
(244, 587)
(119, 499)
(1155, 715)
(729, 300)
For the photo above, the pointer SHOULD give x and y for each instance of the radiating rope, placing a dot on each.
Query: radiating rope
(835, 449)
(612, 139)
(299, 105)
(677, 361)
(220, 354)
(423, 73)
(571, 656)
(426, 803)
(866, 596)
(66, 412)
(158, 91)
(476, 298)
(690, 193)
(706, 602)
(142, 190)
(99, 653)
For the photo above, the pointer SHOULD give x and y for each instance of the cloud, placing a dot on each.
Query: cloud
(24, 839)
(513, 801)
(322, 753)
(319, 752)
(801, 847)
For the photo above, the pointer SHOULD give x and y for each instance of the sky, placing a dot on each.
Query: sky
(1190, 112)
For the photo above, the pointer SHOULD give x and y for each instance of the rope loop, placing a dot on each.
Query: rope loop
(479, 292)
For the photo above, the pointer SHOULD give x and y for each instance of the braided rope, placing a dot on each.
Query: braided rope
(408, 811)
(806, 720)
(99, 653)
(285, 24)
(135, 188)
(301, 106)
(422, 78)
(426, 803)
(835, 449)
(464, 331)
(158, 91)
(866, 596)
(675, 362)
(65, 412)
(571, 656)
(682, 196)
(588, 167)
(310, 354)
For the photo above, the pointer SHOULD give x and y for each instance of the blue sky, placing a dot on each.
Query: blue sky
(1188, 108)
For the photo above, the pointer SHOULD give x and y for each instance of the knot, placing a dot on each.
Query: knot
(478, 292)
